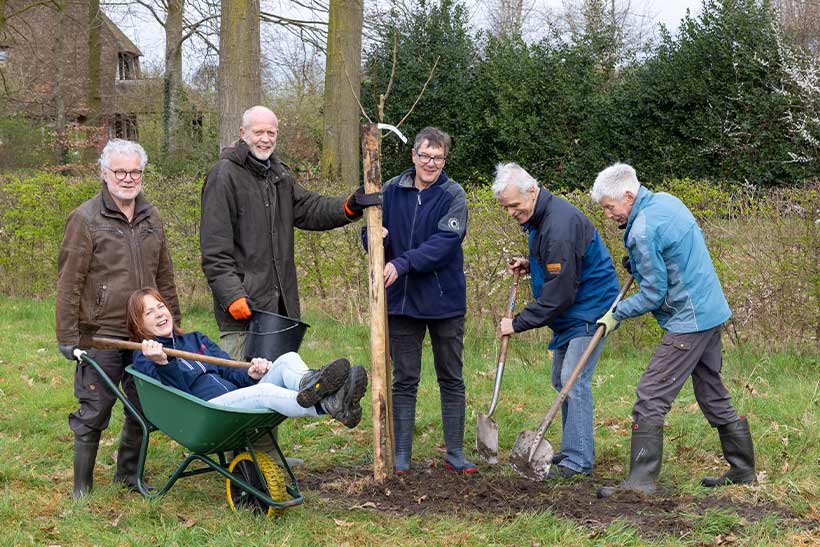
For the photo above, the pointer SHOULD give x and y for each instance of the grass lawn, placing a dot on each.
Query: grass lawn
(778, 390)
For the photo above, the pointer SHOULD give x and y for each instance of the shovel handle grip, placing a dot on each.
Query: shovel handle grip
(101, 342)
(505, 340)
(562, 396)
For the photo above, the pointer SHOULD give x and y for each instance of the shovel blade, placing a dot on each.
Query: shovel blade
(486, 439)
(537, 468)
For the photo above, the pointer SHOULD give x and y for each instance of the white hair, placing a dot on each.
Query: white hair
(246, 115)
(506, 173)
(615, 181)
(121, 147)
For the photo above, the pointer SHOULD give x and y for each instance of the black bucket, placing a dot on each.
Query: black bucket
(271, 335)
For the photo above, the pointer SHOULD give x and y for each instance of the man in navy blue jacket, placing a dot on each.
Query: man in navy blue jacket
(425, 217)
(574, 283)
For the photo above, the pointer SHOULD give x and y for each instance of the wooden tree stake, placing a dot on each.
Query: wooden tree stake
(379, 369)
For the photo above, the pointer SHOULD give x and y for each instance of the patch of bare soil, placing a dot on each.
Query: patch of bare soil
(491, 492)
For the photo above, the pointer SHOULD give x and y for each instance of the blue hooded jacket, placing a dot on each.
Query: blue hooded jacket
(573, 279)
(202, 380)
(425, 231)
(671, 263)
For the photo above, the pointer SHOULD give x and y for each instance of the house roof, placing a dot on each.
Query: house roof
(123, 42)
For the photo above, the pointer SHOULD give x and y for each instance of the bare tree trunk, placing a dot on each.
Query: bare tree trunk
(172, 82)
(340, 142)
(59, 78)
(95, 120)
(240, 79)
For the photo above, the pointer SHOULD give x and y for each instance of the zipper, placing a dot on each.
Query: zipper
(410, 246)
(440, 290)
(205, 372)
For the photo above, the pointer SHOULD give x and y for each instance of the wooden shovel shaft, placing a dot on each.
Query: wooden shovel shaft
(505, 340)
(100, 342)
(599, 333)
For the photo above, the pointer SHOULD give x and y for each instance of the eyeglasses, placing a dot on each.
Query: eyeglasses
(120, 174)
(438, 161)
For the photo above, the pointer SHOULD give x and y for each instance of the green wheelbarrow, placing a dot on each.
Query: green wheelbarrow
(252, 480)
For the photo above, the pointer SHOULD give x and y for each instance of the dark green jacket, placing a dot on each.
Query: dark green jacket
(246, 232)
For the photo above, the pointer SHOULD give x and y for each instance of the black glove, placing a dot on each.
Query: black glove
(626, 264)
(356, 202)
(68, 351)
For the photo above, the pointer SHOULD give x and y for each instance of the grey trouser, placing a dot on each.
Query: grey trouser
(677, 357)
(96, 399)
(233, 343)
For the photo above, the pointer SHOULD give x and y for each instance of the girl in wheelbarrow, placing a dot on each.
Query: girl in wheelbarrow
(285, 386)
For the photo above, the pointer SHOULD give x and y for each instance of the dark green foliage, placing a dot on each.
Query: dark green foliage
(724, 100)
(430, 31)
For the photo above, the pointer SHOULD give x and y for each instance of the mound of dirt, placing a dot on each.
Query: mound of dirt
(436, 490)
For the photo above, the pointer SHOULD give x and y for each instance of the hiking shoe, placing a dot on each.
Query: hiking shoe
(316, 384)
(562, 472)
(343, 405)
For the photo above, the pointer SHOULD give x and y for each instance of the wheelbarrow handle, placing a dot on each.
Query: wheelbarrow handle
(505, 340)
(101, 342)
(596, 338)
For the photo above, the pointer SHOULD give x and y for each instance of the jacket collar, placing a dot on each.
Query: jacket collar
(240, 154)
(640, 202)
(109, 207)
(408, 179)
(541, 205)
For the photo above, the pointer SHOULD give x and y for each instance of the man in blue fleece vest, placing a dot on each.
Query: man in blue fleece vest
(425, 220)
(574, 283)
(679, 286)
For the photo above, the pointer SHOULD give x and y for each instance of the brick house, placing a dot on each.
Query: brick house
(29, 58)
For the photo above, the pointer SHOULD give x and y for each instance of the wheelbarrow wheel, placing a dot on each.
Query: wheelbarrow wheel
(243, 467)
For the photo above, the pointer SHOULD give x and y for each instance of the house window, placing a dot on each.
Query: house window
(126, 66)
(4, 55)
(123, 126)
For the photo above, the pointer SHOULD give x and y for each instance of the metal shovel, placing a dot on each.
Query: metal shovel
(486, 439)
(531, 456)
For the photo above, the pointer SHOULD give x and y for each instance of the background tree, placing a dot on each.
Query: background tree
(94, 118)
(240, 82)
(340, 143)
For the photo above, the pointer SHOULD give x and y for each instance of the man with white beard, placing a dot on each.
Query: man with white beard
(251, 202)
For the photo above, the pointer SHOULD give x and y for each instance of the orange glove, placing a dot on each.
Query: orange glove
(239, 309)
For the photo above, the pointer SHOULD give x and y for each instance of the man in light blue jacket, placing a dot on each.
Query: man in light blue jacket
(679, 286)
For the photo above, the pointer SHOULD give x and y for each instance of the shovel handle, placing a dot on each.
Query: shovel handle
(100, 342)
(596, 338)
(505, 340)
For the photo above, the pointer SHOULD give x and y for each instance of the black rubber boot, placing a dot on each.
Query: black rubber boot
(316, 384)
(644, 462)
(404, 420)
(85, 455)
(736, 440)
(452, 419)
(128, 455)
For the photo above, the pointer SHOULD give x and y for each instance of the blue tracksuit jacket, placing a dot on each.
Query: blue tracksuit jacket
(202, 380)
(672, 265)
(573, 279)
(424, 244)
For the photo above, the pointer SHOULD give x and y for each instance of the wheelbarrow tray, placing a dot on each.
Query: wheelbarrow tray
(196, 424)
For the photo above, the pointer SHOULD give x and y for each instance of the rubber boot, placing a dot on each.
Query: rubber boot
(404, 420)
(736, 440)
(128, 455)
(85, 454)
(644, 462)
(452, 417)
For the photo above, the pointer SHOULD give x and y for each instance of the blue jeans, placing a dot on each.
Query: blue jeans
(577, 412)
(276, 390)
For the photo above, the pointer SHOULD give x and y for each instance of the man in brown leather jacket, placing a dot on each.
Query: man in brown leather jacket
(113, 244)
